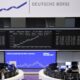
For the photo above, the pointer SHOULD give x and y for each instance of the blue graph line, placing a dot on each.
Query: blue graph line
(21, 5)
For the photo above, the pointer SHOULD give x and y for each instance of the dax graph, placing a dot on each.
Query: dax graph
(39, 8)
(13, 8)
(30, 58)
(33, 39)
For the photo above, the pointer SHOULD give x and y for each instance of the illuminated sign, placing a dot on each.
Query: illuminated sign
(39, 8)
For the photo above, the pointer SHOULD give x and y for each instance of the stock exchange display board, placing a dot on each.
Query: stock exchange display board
(31, 39)
(67, 39)
(31, 58)
(40, 39)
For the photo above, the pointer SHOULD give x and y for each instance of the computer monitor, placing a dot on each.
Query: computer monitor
(31, 58)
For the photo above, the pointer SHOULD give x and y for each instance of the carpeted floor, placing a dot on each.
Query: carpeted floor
(31, 77)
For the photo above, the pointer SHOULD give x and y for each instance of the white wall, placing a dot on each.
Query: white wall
(68, 56)
(1, 57)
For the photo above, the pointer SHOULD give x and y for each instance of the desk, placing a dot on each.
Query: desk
(42, 76)
(20, 76)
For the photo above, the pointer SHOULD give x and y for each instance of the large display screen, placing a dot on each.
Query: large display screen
(31, 59)
(32, 39)
(40, 39)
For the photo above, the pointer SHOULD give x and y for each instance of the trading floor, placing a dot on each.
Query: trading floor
(40, 48)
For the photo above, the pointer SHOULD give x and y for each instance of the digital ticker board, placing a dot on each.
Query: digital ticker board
(40, 39)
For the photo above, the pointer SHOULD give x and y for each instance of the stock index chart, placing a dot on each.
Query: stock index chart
(39, 8)
(40, 39)
(32, 39)
(13, 8)
(31, 58)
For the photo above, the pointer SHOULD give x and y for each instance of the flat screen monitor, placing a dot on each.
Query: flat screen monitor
(31, 58)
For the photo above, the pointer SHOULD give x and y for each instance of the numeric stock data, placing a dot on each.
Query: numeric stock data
(40, 39)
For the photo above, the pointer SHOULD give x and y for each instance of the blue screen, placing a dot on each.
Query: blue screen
(31, 59)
